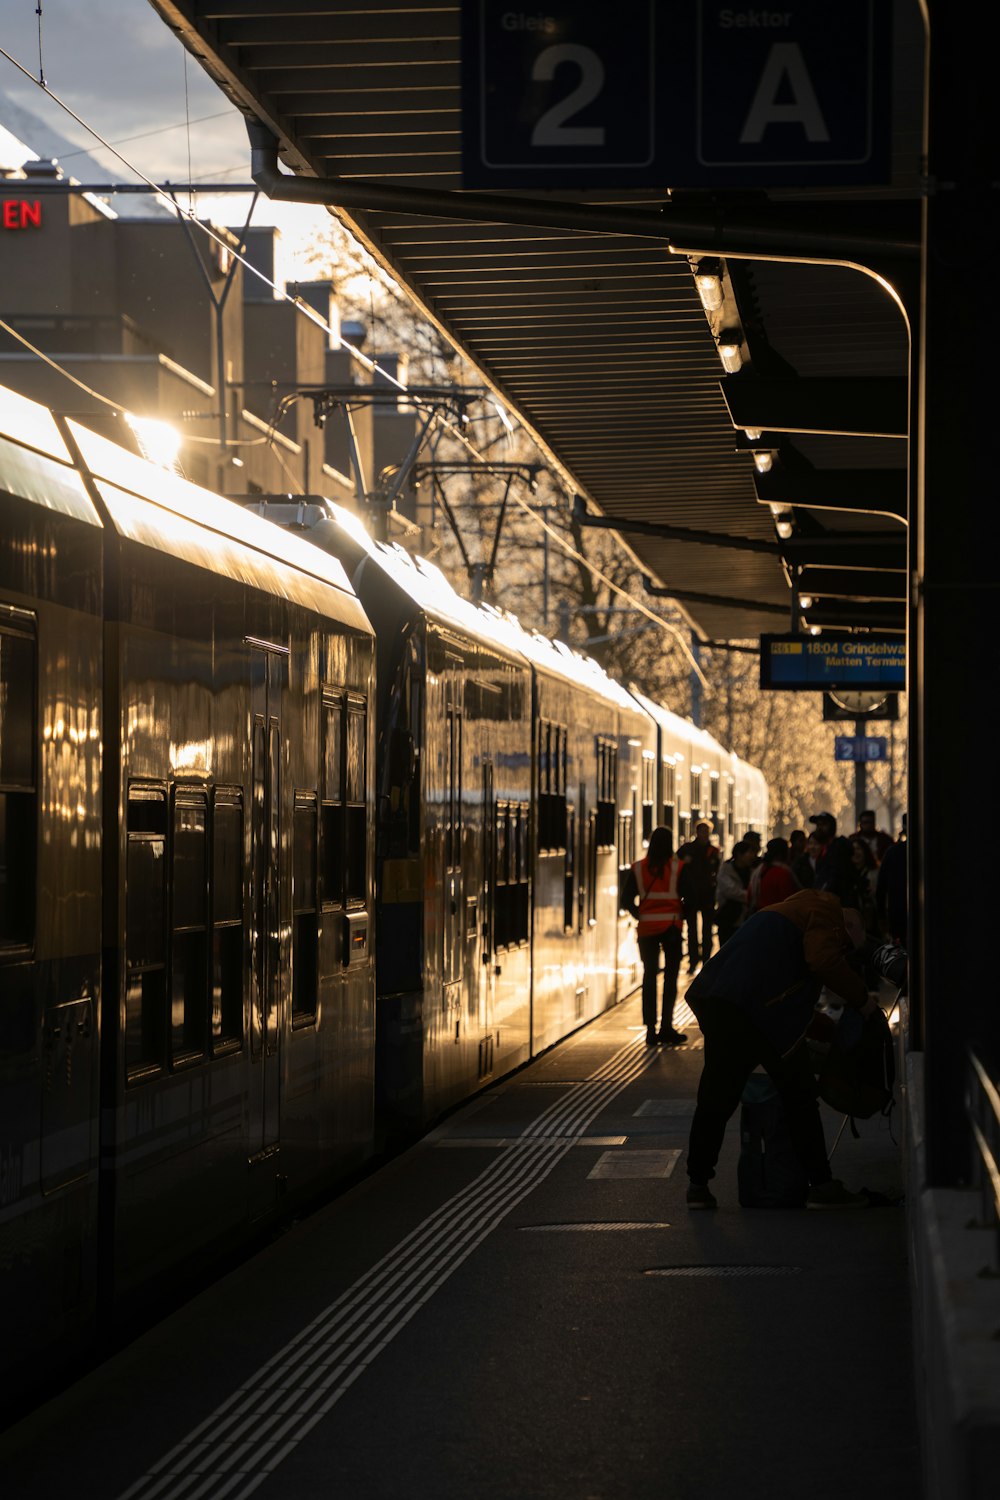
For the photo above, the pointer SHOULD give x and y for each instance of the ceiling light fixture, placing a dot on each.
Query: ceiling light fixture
(764, 461)
(708, 280)
(730, 352)
(754, 434)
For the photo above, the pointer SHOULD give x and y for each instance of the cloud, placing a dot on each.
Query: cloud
(120, 68)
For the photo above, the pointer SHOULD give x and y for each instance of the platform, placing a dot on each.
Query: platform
(522, 1306)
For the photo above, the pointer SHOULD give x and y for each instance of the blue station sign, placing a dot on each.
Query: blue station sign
(860, 747)
(812, 664)
(582, 93)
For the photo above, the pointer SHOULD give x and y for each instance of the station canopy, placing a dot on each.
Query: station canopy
(714, 356)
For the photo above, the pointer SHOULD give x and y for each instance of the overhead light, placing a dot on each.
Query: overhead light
(754, 434)
(815, 630)
(237, 463)
(730, 351)
(708, 280)
(784, 529)
(764, 461)
(807, 601)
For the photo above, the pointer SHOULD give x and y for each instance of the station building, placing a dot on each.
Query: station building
(169, 324)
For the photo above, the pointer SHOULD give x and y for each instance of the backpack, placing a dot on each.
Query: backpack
(857, 1080)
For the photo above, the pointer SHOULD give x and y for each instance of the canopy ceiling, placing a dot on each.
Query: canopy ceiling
(581, 310)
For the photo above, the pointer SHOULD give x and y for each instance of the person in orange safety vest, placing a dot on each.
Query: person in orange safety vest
(652, 894)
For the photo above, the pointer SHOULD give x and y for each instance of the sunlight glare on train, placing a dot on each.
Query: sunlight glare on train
(158, 441)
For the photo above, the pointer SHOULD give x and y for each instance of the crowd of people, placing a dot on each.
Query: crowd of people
(694, 893)
(788, 918)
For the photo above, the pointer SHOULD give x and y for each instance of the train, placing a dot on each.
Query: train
(298, 850)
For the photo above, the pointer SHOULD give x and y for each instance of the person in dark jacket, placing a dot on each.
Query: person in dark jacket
(702, 859)
(754, 1001)
(833, 868)
(891, 889)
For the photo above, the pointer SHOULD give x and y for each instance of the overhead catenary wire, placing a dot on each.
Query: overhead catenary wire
(370, 365)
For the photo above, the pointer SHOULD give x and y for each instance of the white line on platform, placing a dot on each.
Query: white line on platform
(258, 1426)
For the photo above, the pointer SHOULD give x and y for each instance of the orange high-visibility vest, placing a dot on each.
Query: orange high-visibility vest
(659, 903)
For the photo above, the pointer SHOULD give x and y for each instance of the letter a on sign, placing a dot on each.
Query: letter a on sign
(785, 71)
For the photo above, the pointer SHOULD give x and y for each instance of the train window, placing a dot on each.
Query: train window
(695, 791)
(552, 739)
(355, 777)
(227, 920)
(713, 793)
(18, 789)
(145, 931)
(512, 874)
(333, 709)
(669, 792)
(189, 946)
(607, 792)
(453, 814)
(343, 816)
(648, 793)
(569, 887)
(730, 808)
(305, 923)
(357, 816)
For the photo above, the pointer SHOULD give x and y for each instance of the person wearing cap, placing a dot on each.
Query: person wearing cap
(754, 1001)
(833, 868)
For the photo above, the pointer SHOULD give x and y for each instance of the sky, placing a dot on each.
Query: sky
(123, 72)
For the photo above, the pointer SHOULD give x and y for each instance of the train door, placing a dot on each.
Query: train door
(269, 665)
(454, 900)
(487, 920)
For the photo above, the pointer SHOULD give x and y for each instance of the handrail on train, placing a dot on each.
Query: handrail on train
(982, 1104)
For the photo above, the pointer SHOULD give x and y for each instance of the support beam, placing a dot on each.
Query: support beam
(672, 533)
(723, 601)
(868, 584)
(874, 406)
(870, 491)
(775, 232)
(853, 616)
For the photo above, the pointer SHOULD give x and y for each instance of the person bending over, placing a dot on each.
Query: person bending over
(754, 1000)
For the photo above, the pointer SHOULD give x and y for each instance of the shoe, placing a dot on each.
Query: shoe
(833, 1194)
(650, 1037)
(700, 1196)
(671, 1038)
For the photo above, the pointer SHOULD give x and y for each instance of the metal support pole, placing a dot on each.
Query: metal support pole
(695, 681)
(860, 777)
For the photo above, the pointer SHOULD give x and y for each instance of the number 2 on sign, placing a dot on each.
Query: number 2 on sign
(551, 129)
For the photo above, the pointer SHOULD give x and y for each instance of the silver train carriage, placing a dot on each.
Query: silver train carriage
(202, 791)
(186, 881)
(517, 783)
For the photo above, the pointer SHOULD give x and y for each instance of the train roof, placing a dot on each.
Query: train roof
(193, 511)
(698, 740)
(158, 508)
(431, 591)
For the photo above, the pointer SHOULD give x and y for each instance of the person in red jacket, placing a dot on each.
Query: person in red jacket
(777, 882)
(652, 894)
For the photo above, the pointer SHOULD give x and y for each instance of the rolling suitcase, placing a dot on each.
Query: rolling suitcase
(769, 1173)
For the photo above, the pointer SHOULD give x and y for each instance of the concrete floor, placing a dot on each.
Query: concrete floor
(522, 1306)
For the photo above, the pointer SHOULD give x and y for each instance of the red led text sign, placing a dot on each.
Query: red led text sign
(16, 213)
